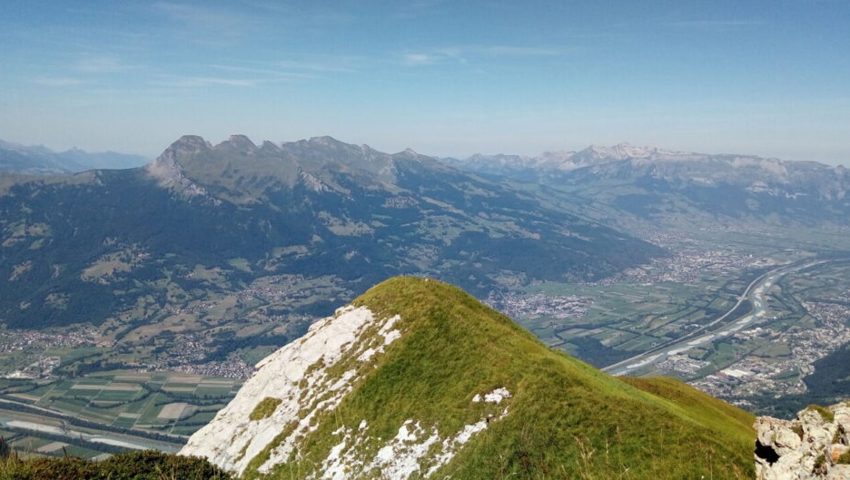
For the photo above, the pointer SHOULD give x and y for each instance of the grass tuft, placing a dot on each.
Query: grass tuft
(264, 409)
(825, 413)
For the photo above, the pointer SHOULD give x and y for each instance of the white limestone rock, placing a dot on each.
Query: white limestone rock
(310, 377)
(808, 447)
(297, 374)
(415, 451)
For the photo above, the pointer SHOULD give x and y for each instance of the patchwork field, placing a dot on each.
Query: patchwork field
(175, 404)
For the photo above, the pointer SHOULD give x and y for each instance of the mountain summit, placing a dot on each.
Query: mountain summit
(416, 379)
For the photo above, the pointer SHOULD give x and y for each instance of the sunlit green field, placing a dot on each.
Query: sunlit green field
(171, 403)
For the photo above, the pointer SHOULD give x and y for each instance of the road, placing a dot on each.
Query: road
(722, 326)
(40, 420)
(90, 437)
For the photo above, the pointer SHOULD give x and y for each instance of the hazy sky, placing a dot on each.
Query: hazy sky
(768, 77)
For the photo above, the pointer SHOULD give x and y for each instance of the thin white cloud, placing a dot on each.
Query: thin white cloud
(508, 50)
(715, 24)
(206, 25)
(221, 75)
(418, 8)
(416, 59)
(299, 65)
(177, 81)
(263, 73)
(467, 53)
(102, 65)
(340, 64)
(57, 81)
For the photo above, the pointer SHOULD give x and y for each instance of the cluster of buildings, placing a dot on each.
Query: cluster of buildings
(41, 340)
(41, 368)
(30, 346)
(233, 367)
(539, 305)
(758, 374)
(689, 266)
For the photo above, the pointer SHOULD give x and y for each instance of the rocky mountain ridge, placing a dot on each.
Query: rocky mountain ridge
(666, 164)
(315, 163)
(656, 184)
(237, 246)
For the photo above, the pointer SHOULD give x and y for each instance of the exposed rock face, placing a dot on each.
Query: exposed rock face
(296, 378)
(294, 387)
(167, 171)
(812, 446)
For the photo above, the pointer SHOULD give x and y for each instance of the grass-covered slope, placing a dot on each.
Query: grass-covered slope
(563, 419)
(148, 465)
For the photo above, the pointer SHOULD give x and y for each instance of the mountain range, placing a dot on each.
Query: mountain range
(38, 160)
(227, 244)
(654, 183)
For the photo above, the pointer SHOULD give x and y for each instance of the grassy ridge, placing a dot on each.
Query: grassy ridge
(566, 420)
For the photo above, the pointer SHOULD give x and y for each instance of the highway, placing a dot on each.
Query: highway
(36, 420)
(722, 326)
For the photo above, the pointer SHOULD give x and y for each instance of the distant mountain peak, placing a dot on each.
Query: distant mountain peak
(624, 161)
(241, 140)
(620, 151)
(238, 143)
(270, 146)
(326, 140)
(168, 167)
(189, 143)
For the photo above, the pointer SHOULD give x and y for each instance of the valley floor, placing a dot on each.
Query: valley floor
(742, 317)
(746, 319)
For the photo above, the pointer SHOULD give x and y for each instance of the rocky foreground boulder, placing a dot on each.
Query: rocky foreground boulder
(815, 445)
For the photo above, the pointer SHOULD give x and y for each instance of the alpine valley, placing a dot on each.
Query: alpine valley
(137, 302)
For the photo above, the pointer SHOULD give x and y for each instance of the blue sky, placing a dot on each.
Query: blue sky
(768, 77)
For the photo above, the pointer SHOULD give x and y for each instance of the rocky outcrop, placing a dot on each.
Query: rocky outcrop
(294, 388)
(295, 385)
(815, 445)
(167, 171)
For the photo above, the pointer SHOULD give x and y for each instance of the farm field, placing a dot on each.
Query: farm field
(167, 403)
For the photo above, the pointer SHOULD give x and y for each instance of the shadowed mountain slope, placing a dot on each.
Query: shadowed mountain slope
(86, 247)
